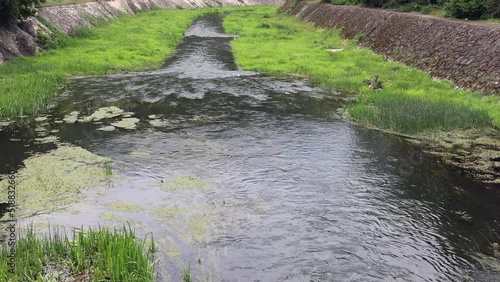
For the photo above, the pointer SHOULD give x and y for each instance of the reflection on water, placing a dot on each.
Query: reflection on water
(248, 178)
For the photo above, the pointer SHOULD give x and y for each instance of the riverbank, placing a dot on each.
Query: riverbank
(25, 38)
(467, 54)
(128, 44)
(410, 101)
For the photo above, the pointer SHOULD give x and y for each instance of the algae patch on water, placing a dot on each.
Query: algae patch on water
(126, 123)
(71, 117)
(118, 206)
(55, 179)
(180, 182)
(102, 113)
(167, 212)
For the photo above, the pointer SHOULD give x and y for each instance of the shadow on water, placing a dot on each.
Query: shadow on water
(248, 178)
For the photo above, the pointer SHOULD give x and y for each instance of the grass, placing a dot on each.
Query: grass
(133, 43)
(410, 101)
(98, 254)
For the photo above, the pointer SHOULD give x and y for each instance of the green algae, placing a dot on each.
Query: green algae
(126, 123)
(167, 212)
(107, 216)
(159, 123)
(108, 128)
(181, 182)
(55, 179)
(140, 154)
(103, 113)
(40, 119)
(121, 206)
(71, 117)
(198, 228)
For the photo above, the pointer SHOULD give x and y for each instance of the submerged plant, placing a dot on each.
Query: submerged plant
(108, 167)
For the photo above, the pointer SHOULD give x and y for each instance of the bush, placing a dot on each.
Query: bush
(494, 9)
(467, 9)
(12, 10)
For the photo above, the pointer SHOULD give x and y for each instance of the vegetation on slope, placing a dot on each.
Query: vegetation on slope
(409, 101)
(462, 9)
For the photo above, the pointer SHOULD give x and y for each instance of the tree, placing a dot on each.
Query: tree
(13, 10)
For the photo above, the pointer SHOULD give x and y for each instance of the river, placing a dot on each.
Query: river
(243, 177)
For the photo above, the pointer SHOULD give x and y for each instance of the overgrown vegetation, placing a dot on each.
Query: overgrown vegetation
(92, 255)
(462, 9)
(128, 44)
(409, 101)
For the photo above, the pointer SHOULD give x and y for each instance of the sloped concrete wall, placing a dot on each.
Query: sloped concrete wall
(466, 53)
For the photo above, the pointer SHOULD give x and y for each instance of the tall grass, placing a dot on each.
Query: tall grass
(98, 254)
(134, 43)
(410, 101)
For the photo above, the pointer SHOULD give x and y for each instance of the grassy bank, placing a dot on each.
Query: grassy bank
(92, 255)
(410, 101)
(134, 43)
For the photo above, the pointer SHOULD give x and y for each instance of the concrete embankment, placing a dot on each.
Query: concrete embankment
(22, 39)
(466, 53)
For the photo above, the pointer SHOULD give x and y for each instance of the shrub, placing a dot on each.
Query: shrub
(12, 10)
(467, 9)
(494, 9)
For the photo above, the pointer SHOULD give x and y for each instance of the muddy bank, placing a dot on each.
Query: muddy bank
(22, 39)
(467, 54)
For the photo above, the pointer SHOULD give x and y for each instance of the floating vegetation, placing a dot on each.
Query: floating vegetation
(55, 179)
(126, 123)
(107, 216)
(180, 182)
(140, 154)
(463, 215)
(5, 123)
(40, 119)
(103, 113)
(167, 212)
(71, 117)
(198, 228)
(159, 123)
(107, 128)
(128, 207)
(47, 140)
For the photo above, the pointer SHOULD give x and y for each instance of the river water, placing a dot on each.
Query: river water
(243, 177)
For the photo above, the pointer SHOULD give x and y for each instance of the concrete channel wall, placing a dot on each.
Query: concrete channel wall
(21, 40)
(467, 53)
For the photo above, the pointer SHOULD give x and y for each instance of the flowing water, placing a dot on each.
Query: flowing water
(242, 177)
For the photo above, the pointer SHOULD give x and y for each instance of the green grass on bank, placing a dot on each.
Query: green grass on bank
(410, 102)
(139, 42)
(99, 254)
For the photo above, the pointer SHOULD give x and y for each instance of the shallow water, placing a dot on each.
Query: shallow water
(242, 177)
